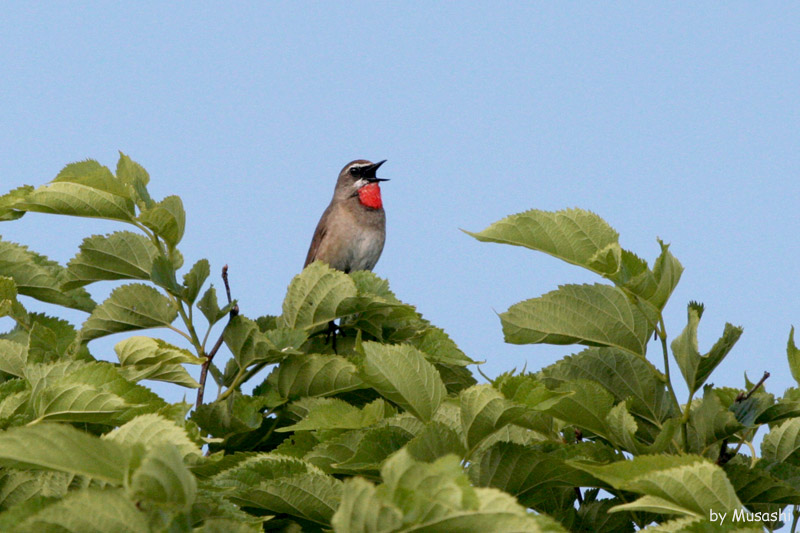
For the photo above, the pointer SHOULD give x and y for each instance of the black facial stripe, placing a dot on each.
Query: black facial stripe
(359, 170)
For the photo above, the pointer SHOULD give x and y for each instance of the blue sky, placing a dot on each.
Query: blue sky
(677, 121)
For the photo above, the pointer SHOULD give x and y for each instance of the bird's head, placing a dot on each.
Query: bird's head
(358, 178)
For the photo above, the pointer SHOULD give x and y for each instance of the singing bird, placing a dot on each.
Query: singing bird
(352, 230)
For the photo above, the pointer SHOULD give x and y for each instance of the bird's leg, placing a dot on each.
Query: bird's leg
(331, 335)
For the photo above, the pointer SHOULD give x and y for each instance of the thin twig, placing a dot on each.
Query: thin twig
(742, 396)
(210, 356)
(225, 280)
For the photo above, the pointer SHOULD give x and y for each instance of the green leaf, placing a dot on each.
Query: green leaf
(362, 510)
(710, 422)
(19, 486)
(176, 257)
(667, 271)
(166, 218)
(87, 392)
(694, 367)
(148, 358)
(596, 315)
(130, 307)
(757, 486)
(434, 441)
(119, 255)
(333, 413)
(368, 283)
(49, 338)
(376, 311)
(595, 516)
(40, 278)
(438, 497)
(573, 235)
(620, 474)
(314, 296)
(41, 375)
(101, 376)
(194, 279)
(13, 357)
(652, 287)
(748, 410)
(528, 473)
(688, 490)
(287, 341)
(362, 450)
(531, 392)
(210, 308)
(782, 443)
(136, 177)
(336, 448)
(15, 403)
(219, 515)
(11, 199)
(587, 406)
(282, 484)
(584, 239)
(84, 189)
(455, 377)
(623, 431)
(87, 511)
(236, 414)
(439, 347)
(248, 345)
(624, 375)
(66, 449)
(793, 354)
(9, 306)
(312, 375)
(375, 446)
(401, 374)
(215, 463)
(152, 430)
(779, 411)
(163, 480)
(76, 402)
(163, 275)
(484, 410)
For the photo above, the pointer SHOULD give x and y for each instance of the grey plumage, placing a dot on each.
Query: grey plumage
(350, 235)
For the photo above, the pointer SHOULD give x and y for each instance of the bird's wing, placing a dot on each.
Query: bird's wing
(319, 235)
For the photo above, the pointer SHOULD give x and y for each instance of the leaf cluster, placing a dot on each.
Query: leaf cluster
(388, 432)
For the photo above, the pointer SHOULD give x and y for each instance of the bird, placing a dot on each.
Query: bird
(352, 231)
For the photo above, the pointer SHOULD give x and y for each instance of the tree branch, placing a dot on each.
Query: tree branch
(210, 356)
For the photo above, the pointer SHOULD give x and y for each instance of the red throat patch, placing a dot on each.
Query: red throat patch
(370, 196)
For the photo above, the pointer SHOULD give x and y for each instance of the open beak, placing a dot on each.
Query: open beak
(372, 170)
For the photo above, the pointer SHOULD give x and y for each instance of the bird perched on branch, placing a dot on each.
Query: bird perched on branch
(352, 230)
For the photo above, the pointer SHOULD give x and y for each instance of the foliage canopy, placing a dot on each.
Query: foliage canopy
(390, 433)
